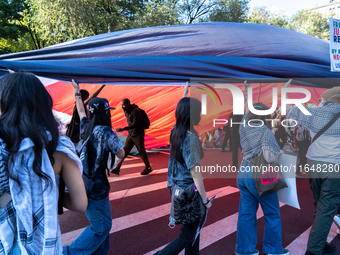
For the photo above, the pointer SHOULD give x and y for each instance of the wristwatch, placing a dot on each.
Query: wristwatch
(207, 202)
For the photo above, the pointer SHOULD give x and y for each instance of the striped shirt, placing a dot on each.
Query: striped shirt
(327, 147)
(250, 137)
(4, 184)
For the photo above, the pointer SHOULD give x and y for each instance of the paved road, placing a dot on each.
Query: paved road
(141, 204)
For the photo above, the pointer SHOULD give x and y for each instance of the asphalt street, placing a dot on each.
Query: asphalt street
(141, 206)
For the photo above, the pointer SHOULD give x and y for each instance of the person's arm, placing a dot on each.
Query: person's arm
(75, 198)
(120, 154)
(95, 94)
(79, 101)
(246, 85)
(198, 180)
(186, 89)
(272, 154)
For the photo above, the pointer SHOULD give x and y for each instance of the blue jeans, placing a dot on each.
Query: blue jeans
(184, 240)
(95, 238)
(246, 239)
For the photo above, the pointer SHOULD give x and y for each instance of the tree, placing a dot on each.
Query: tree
(158, 13)
(195, 9)
(261, 15)
(311, 23)
(230, 11)
(62, 20)
(11, 19)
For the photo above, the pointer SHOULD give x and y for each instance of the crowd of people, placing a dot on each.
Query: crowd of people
(41, 171)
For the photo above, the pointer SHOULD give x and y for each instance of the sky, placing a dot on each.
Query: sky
(289, 7)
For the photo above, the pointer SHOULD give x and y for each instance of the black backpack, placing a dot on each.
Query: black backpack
(145, 119)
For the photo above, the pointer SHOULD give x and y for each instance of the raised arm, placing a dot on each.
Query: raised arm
(246, 85)
(95, 94)
(79, 101)
(186, 89)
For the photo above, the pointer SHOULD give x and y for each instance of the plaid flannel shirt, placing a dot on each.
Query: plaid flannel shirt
(32, 217)
(320, 117)
(250, 141)
(4, 184)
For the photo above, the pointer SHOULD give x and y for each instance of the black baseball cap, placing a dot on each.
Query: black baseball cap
(98, 105)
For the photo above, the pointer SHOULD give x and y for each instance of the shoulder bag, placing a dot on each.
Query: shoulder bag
(267, 176)
(186, 204)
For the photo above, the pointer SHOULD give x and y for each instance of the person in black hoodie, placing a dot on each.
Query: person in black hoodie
(135, 135)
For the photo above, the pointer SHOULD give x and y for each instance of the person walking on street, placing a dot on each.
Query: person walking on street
(257, 139)
(185, 154)
(34, 160)
(99, 140)
(322, 161)
(235, 136)
(135, 135)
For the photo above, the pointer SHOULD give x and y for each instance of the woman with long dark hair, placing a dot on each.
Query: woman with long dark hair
(185, 154)
(255, 139)
(99, 140)
(33, 158)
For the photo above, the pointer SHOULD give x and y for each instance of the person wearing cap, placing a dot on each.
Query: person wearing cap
(322, 166)
(101, 140)
(135, 135)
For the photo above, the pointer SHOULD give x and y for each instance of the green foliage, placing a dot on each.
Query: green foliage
(157, 13)
(261, 15)
(230, 11)
(311, 23)
(15, 45)
(11, 17)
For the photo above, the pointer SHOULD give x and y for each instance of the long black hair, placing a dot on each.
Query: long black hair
(26, 111)
(97, 119)
(187, 116)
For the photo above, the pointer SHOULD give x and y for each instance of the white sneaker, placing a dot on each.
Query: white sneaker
(285, 252)
(337, 221)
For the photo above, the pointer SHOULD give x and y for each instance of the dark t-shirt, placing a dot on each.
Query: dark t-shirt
(104, 140)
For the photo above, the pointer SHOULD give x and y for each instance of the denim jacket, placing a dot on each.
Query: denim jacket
(190, 148)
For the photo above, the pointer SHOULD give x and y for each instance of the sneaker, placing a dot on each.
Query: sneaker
(336, 220)
(146, 171)
(255, 253)
(285, 252)
(115, 171)
(329, 248)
